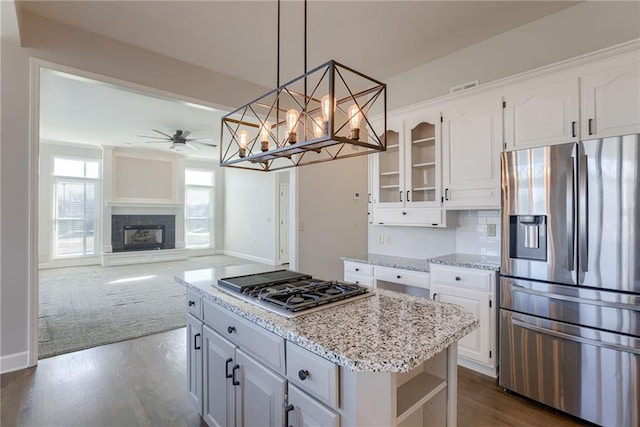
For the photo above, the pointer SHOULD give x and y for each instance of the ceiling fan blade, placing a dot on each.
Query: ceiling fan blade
(185, 134)
(191, 146)
(152, 137)
(200, 139)
(204, 143)
(155, 142)
(162, 133)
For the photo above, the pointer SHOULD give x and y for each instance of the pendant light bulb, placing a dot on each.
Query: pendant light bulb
(292, 123)
(318, 127)
(265, 129)
(325, 108)
(244, 140)
(355, 116)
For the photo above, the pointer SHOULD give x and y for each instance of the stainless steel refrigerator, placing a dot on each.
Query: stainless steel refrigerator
(570, 278)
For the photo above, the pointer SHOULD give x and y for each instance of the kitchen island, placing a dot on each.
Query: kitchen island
(385, 360)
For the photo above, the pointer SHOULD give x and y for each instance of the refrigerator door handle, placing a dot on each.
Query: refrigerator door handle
(570, 212)
(584, 215)
(576, 338)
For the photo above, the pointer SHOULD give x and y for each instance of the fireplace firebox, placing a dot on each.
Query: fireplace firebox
(142, 232)
(143, 237)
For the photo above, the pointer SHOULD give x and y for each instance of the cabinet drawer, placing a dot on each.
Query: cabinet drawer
(409, 216)
(359, 279)
(194, 304)
(313, 374)
(469, 278)
(262, 344)
(404, 277)
(358, 268)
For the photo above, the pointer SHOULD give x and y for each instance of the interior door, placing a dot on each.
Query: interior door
(283, 223)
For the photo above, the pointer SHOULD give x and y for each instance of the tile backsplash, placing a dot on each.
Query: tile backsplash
(472, 236)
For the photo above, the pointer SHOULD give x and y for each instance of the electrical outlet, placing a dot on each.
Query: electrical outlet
(382, 239)
(387, 239)
(491, 230)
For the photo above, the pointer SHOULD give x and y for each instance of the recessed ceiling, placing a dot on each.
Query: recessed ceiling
(85, 111)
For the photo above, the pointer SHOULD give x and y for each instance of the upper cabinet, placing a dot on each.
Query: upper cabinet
(611, 102)
(406, 177)
(471, 144)
(540, 116)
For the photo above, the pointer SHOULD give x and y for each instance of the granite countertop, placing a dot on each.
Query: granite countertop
(387, 332)
(482, 262)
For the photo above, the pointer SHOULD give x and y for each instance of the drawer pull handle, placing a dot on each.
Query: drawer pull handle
(302, 374)
(357, 282)
(231, 329)
(233, 375)
(434, 296)
(398, 276)
(191, 303)
(226, 368)
(287, 409)
(457, 278)
(195, 342)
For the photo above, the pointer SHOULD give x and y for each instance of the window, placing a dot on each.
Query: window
(75, 186)
(199, 208)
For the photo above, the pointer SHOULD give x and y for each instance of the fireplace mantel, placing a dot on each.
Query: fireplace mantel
(144, 204)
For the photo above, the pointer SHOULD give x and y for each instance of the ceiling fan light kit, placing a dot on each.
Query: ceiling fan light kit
(311, 119)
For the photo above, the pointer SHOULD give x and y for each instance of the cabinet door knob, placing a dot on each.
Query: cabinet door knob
(231, 329)
(191, 303)
(404, 213)
(303, 374)
(357, 269)
(398, 276)
(457, 278)
(357, 282)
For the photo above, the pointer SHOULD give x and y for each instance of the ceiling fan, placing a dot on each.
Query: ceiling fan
(178, 140)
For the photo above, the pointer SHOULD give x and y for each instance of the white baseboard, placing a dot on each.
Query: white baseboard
(250, 257)
(478, 367)
(14, 362)
(195, 252)
(71, 262)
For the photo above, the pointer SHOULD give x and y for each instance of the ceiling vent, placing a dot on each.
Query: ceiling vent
(463, 86)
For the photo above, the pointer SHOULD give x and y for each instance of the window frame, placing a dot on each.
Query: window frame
(211, 217)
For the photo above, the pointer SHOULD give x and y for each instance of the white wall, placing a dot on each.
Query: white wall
(412, 242)
(574, 31)
(65, 45)
(331, 223)
(249, 207)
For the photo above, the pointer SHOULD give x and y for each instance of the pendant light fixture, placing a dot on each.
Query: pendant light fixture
(328, 113)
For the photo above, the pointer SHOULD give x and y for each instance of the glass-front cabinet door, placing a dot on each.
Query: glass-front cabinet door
(422, 161)
(388, 168)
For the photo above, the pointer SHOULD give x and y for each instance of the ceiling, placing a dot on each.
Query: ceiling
(238, 38)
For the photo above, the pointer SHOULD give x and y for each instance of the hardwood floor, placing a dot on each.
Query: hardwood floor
(141, 382)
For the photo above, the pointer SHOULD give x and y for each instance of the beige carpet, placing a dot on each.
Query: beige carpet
(83, 307)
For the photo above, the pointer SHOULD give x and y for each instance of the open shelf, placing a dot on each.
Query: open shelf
(423, 165)
(390, 186)
(418, 141)
(389, 173)
(411, 395)
(392, 146)
(424, 188)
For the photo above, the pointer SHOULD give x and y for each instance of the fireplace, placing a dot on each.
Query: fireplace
(142, 232)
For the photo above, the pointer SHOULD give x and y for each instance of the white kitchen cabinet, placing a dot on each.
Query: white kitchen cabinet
(358, 273)
(472, 142)
(219, 395)
(542, 115)
(406, 178)
(611, 102)
(474, 290)
(194, 361)
(306, 411)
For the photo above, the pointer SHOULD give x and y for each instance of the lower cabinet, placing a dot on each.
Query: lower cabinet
(238, 390)
(474, 290)
(194, 361)
(306, 411)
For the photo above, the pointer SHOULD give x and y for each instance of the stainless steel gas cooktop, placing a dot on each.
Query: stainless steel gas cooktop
(291, 294)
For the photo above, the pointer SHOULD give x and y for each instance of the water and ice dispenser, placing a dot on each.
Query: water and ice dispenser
(528, 237)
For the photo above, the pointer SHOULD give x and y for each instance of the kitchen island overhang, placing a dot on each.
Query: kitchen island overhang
(395, 352)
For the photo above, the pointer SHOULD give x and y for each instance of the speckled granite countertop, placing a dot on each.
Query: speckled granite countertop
(482, 262)
(414, 264)
(387, 332)
(458, 260)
